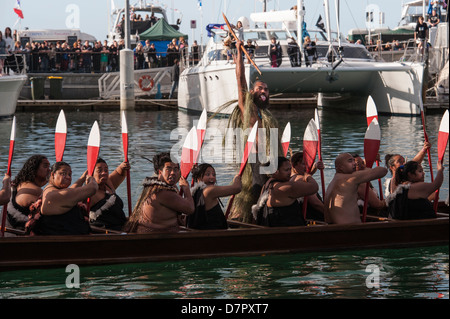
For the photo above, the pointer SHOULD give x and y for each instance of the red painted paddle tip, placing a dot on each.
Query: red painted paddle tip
(443, 136)
(372, 142)
(93, 147)
(310, 144)
(190, 146)
(371, 110)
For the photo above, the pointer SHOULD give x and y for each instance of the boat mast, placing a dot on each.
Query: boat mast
(327, 18)
(337, 8)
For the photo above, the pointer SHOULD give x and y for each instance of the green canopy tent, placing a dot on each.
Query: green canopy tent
(161, 31)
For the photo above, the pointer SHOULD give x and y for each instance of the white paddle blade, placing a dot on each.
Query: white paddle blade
(191, 141)
(316, 119)
(13, 130)
(123, 122)
(201, 125)
(187, 153)
(94, 136)
(443, 136)
(311, 132)
(252, 135)
(286, 137)
(61, 124)
(371, 110)
(310, 144)
(443, 127)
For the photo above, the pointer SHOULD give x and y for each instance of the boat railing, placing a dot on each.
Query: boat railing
(17, 63)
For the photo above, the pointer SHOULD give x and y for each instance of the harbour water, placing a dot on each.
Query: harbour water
(404, 273)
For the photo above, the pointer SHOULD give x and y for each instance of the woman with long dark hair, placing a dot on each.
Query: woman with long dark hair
(411, 198)
(27, 190)
(208, 212)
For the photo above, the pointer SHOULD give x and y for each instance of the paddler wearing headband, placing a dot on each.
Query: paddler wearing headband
(252, 106)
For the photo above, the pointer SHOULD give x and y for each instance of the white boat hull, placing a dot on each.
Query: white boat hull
(395, 87)
(10, 87)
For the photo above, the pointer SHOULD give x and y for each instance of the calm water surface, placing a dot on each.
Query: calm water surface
(404, 273)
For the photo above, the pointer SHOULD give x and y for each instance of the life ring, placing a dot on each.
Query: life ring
(146, 83)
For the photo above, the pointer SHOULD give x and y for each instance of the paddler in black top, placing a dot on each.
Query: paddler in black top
(278, 206)
(206, 194)
(252, 106)
(27, 190)
(106, 206)
(62, 210)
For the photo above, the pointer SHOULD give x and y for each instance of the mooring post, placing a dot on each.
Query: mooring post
(127, 101)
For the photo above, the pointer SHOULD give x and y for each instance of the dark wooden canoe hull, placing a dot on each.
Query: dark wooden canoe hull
(56, 251)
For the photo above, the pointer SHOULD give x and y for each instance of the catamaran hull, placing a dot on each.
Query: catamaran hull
(395, 87)
(10, 87)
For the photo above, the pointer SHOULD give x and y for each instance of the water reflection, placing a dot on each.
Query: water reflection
(404, 273)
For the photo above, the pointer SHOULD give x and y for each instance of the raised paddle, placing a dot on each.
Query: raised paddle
(124, 126)
(201, 131)
(286, 139)
(442, 146)
(190, 147)
(319, 150)
(93, 149)
(8, 172)
(425, 135)
(60, 136)
(242, 46)
(371, 148)
(248, 148)
(372, 113)
(310, 145)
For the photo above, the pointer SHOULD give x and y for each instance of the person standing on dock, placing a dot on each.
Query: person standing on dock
(341, 197)
(86, 49)
(160, 204)
(421, 35)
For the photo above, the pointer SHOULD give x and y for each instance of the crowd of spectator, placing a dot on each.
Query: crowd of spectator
(88, 57)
